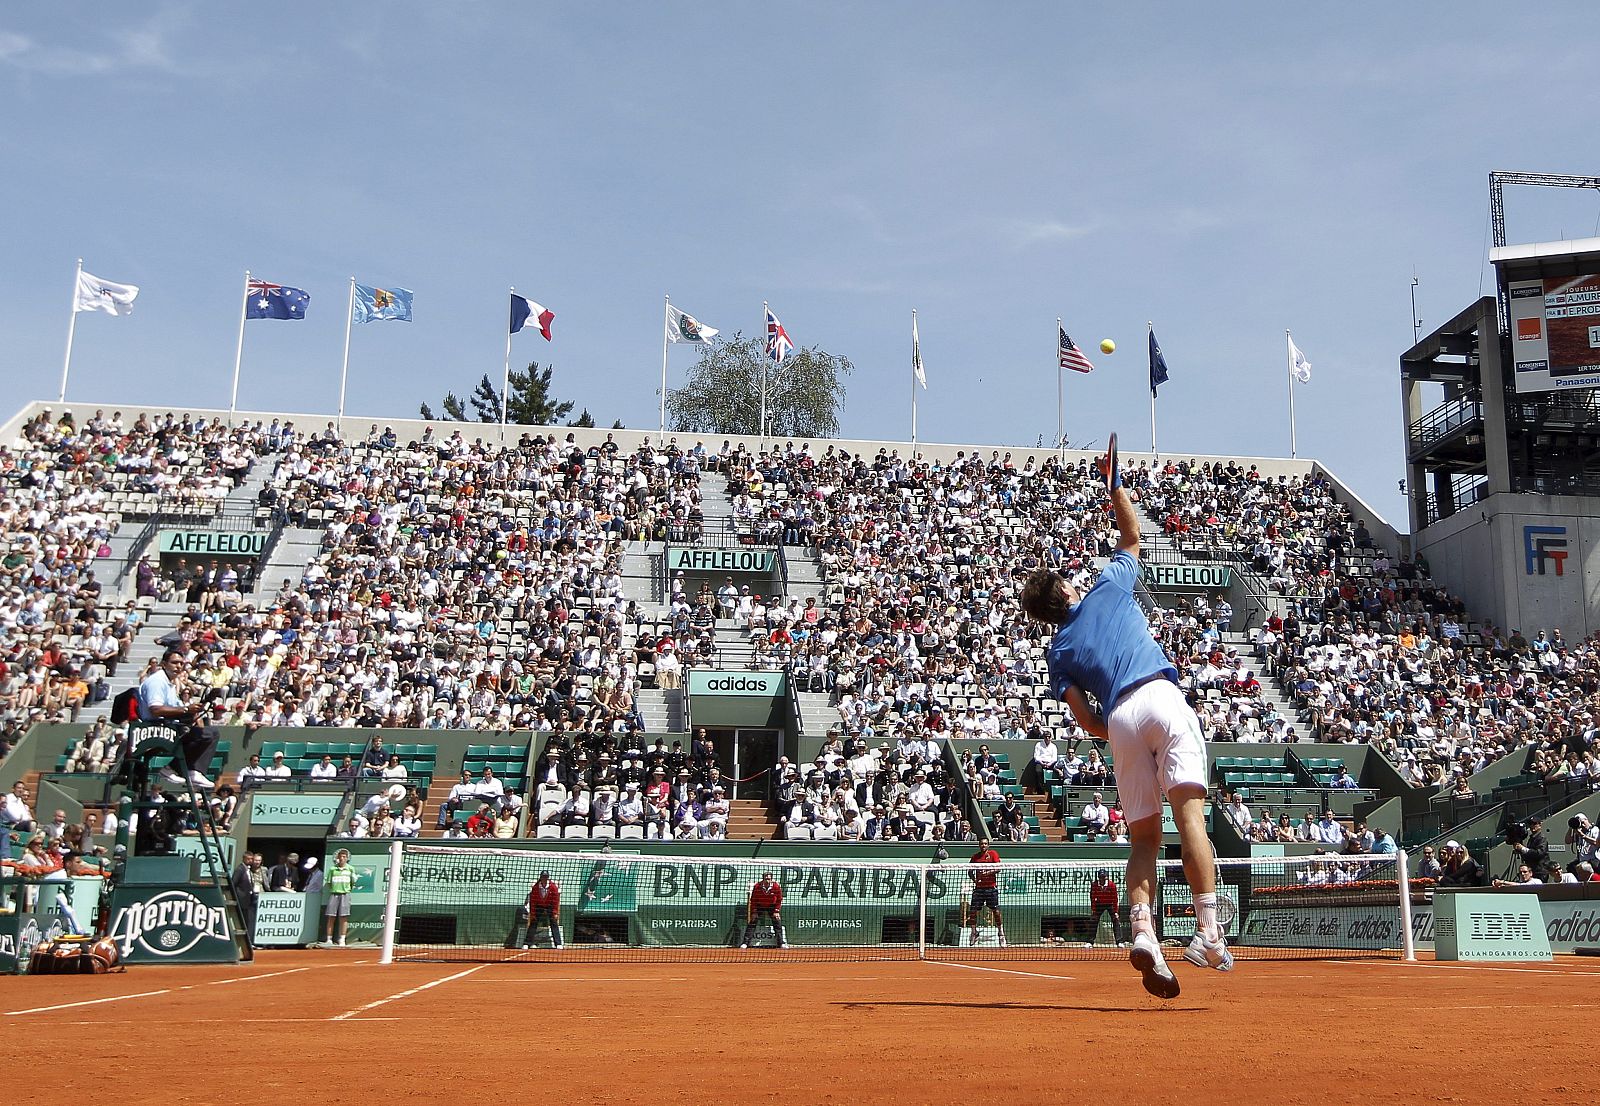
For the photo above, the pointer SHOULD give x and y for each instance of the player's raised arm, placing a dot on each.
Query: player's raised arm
(1121, 505)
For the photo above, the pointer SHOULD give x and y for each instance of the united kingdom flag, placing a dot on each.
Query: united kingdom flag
(778, 344)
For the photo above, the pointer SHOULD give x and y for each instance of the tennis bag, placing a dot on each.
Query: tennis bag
(72, 955)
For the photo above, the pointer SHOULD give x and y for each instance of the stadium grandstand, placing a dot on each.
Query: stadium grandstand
(553, 640)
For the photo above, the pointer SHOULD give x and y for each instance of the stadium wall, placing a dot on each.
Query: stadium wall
(1527, 562)
(357, 426)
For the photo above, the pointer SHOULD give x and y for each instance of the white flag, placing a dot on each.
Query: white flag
(683, 327)
(1298, 365)
(95, 294)
(916, 355)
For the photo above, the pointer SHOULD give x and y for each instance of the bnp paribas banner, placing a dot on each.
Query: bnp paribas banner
(703, 903)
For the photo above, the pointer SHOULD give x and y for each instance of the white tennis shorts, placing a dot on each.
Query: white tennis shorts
(1156, 744)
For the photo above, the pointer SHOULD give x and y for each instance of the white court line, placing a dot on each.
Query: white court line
(349, 1014)
(264, 975)
(273, 1021)
(1533, 1006)
(1007, 971)
(85, 1002)
(1459, 967)
(596, 979)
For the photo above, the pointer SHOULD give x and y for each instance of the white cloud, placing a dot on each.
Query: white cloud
(140, 48)
(1036, 232)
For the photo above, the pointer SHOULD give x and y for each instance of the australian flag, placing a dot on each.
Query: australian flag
(274, 301)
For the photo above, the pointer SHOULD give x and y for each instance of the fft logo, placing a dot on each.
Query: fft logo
(1541, 544)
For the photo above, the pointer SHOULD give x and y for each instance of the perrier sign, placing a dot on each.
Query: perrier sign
(169, 925)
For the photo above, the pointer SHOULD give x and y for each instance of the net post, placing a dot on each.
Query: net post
(922, 912)
(391, 901)
(1408, 941)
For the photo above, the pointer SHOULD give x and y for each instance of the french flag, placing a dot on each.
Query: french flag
(524, 309)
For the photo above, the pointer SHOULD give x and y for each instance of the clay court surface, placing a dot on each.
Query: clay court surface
(333, 1027)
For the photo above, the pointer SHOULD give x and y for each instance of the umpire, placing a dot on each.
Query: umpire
(159, 701)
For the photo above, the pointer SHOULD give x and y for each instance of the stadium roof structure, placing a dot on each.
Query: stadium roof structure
(1535, 260)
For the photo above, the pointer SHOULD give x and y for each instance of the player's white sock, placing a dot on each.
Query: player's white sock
(1205, 915)
(1139, 916)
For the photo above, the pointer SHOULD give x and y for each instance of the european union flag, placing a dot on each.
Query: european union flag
(373, 304)
(274, 301)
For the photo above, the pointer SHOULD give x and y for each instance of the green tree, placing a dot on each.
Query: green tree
(723, 393)
(531, 403)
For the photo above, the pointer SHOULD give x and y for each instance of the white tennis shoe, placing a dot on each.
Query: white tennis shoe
(1209, 954)
(1146, 959)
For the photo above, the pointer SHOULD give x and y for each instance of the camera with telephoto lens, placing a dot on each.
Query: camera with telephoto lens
(1575, 822)
(1516, 833)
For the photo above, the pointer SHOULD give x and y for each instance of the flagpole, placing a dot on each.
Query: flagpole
(666, 321)
(505, 375)
(765, 308)
(1061, 426)
(72, 325)
(1151, 328)
(344, 369)
(238, 351)
(1288, 345)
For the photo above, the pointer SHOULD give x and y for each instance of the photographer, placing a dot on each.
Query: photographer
(1583, 840)
(1528, 843)
(1460, 870)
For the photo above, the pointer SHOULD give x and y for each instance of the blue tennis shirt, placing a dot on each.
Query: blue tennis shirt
(1105, 646)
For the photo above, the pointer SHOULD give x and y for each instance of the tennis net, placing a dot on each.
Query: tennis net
(471, 903)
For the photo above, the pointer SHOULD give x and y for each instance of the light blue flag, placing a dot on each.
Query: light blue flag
(373, 304)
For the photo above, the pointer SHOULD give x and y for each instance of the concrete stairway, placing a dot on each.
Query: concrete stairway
(1049, 822)
(750, 820)
(162, 619)
(295, 549)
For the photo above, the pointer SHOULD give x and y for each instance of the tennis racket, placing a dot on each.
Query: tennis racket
(1111, 462)
(1227, 911)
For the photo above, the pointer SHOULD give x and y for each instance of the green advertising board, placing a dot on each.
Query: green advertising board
(476, 900)
(757, 700)
(222, 851)
(22, 931)
(705, 681)
(1189, 577)
(1482, 926)
(169, 925)
(286, 918)
(232, 545)
(729, 561)
(291, 809)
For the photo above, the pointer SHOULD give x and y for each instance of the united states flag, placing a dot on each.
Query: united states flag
(1072, 357)
(778, 344)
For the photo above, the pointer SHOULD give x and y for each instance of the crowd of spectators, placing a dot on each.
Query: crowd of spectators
(469, 583)
(63, 489)
(625, 786)
(460, 585)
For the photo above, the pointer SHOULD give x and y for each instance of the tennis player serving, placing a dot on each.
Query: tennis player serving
(1102, 647)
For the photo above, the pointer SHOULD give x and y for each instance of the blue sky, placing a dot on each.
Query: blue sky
(1227, 171)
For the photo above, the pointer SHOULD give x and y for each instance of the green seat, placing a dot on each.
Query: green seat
(1255, 779)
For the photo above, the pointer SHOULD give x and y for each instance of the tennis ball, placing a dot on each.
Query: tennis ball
(1107, 346)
